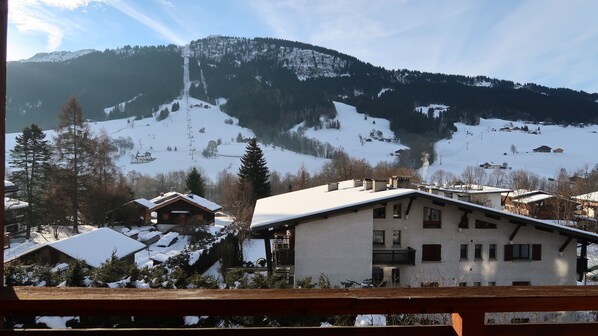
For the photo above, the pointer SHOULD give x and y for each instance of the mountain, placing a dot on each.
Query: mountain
(272, 85)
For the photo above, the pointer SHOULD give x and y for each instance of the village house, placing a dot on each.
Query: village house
(170, 211)
(539, 204)
(14, 213)
(94, 248)
(588, 205)
(354, 230)
(542, 149)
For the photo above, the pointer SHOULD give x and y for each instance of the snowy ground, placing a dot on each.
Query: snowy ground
(476, 145)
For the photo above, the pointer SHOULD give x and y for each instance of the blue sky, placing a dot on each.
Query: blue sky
(549, 42)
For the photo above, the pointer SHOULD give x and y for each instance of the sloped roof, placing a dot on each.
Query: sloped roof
(10, 187)
(95, 247)
(172, 196)
(14, 204)
(315, 203)
(592, 197)
(532, 198)
(145, 203)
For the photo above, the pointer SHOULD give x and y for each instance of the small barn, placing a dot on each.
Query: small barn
(93, 247)
(558, 150)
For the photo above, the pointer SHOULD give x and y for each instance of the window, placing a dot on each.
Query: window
(478, 251)
(432, 218)
(462, 284)
(477, 284)
(491, 283)
(480, 224)
(463, 252)
(492, 251)
(396, 237)
(396, 277)
(379, 237)
(396, 210)
(431, 252)
(521, 283)
(380, 212)
(464, 198)
(523, 252)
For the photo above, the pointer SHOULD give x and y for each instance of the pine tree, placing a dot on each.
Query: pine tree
(195, 182)
(254, 173)
(72, 151)
(30, 158)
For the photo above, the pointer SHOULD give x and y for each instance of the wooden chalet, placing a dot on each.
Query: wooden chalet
(174, 208)
(542, 149)
(136, 212)
(538, 204)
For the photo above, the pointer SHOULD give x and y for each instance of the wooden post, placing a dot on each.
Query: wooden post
(3, 28)
(268, 247)
(469, 324)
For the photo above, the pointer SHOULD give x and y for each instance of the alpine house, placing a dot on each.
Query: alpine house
(357, 230)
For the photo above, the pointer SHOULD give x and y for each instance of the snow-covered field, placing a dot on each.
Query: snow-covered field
(476, 145)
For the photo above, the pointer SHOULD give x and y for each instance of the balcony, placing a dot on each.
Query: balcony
(394, 257)
(467, 308)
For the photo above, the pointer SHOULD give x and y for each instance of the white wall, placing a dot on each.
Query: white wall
(553, 269)
(339, 247)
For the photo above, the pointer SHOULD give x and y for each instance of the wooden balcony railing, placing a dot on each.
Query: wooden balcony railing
(467, 307)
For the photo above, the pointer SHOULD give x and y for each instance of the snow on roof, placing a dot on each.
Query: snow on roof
(592, 197)
(306, 202)
(469, 189)
(532, 198)
(192, 198)
(10, 187)
(145, 203)
(168, 239)
(14, 204)
(95, 247)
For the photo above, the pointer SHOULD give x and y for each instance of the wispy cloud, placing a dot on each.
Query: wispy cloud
(153, 24)
(38, 16)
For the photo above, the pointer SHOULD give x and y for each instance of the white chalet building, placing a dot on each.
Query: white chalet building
(356, 230)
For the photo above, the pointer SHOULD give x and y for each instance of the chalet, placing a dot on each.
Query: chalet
(14, 212)
(558, 150)
(136, 212)
(93, 247)
(172, 210)
(588, 205)
(538, 204)
(351, 231)
(542, 149)
(473, 193)
(176, 209)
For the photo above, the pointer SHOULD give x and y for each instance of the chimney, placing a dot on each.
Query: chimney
(332, 186)
(379, 185)
(400, 182)
(368, 184)
(357, 183)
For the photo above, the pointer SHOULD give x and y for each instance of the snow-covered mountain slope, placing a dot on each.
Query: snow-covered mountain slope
(58, 56)
(359, 136)
(491, 142)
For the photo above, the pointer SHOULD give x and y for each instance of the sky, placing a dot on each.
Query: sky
(548, 42)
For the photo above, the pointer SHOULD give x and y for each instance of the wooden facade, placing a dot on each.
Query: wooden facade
(179, 211)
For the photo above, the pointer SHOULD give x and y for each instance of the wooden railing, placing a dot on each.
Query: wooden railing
(467, 306)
